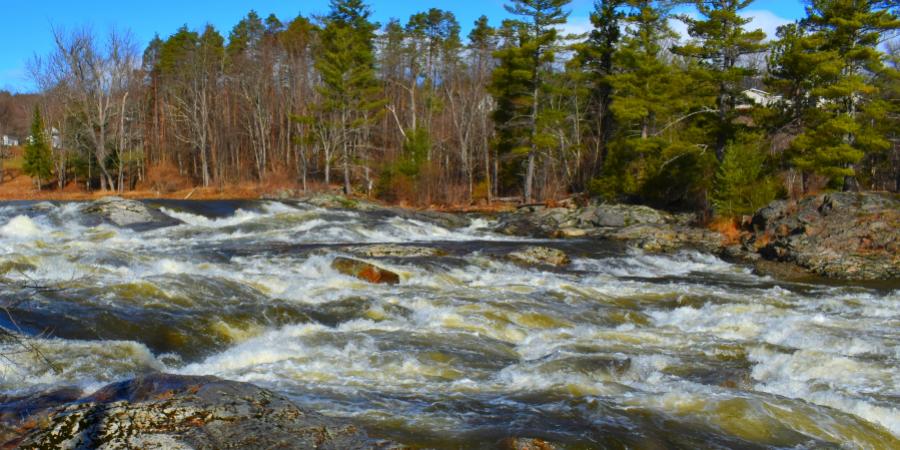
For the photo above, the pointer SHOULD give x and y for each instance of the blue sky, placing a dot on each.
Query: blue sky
(26, 25)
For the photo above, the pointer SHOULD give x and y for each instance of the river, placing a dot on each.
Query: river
(619, 350)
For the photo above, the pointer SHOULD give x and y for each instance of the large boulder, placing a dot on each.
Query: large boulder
(838, 235)
(179, 412)
(127, 213)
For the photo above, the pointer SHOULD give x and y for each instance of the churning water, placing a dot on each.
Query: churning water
(621, 349)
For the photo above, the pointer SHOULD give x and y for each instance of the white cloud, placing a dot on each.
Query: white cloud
(577, 26)
(765, 20)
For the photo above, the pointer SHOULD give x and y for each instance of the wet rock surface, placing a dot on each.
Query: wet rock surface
(853, 236)
(639, 226)
(536, 256)
(167, 411)
(127, 213)
(364, 271)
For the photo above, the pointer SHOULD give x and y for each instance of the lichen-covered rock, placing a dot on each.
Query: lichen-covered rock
(170, 412)
(364, 271)
(591, 220)
(838, 235)
(128, 213)
(540, 256)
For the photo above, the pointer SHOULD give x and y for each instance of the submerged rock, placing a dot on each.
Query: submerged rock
(169, 411)
(364, 271)
(540, 256)
(128, 213)
(838, 235)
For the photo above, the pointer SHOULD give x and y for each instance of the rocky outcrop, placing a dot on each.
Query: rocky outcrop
(364, 271)
(640, 226)
(127, 213)
(178, 412)
(592, 220)
(853, 236)
(535, 256)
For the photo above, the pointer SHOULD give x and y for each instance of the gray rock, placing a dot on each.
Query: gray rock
(838, 235)
(128, 214)
(169, 411)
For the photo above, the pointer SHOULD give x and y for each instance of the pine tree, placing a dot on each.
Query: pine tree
(596, 57)
(648, 159)
(719, 43)
(346, 63)
(847, 122)
(743, 183)
(539, 39)
(38, 162)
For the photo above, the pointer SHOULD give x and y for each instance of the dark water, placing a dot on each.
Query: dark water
(620, 350)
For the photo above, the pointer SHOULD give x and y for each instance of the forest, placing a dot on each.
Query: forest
(724, 119)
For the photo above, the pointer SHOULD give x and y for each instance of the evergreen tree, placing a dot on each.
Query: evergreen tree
(847, 122)
(539, 40)
(649, 158)
(719, 43)
(346, 63)
(512, 89)
(596, 57)
(743, 182)
(38, 162)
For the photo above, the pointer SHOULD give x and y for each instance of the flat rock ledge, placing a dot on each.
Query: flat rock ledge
(175, 412)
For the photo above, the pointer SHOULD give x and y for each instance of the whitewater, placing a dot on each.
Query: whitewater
(621, 349)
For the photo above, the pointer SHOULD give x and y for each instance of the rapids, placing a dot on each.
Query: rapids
(619, 350)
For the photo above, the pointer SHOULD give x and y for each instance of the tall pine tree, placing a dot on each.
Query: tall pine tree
(719, 42)
(539, 41)
(349, 88)
(847, 121)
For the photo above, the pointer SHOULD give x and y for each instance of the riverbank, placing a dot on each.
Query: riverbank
(786, 239)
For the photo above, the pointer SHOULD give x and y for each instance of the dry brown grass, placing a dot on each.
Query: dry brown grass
(729, 228)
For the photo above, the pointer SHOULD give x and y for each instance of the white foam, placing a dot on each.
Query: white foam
(21, 227)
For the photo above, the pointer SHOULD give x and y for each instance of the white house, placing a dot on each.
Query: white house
(759, 97)
(9, 141)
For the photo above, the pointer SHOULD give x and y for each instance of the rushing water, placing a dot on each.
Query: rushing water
(622, 349)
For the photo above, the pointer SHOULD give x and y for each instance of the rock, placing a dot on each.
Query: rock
(846, 235)
(525, 444)
(128, 213)
(336, 201)
(169, 412)
(396, 251)
(592, 220)
(364, 271)
(540, 256)
(572, 233)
